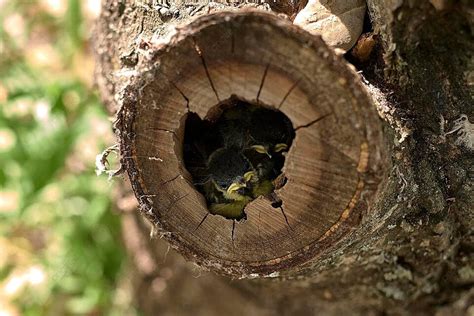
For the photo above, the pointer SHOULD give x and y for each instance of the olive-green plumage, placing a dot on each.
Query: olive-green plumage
(225, 181)
(236, 158)
(230, 209)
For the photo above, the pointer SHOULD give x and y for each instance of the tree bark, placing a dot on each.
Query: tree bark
(412, 252)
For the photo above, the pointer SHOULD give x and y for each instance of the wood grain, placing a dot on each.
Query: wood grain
(263, 60)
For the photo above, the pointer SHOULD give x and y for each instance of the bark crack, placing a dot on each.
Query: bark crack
(204, 64)
(163, 130)
(170, 180)
(202, 221)
(288, 93)
(312, 122)
(288, 228)
(233, 231)
(177, 89)
(285, 217)
(182, 94)
(173, 203)
(262, 82)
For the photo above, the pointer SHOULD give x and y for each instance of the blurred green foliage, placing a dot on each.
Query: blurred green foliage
(60, 249)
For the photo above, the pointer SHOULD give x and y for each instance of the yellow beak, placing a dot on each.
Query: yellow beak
(262, 150)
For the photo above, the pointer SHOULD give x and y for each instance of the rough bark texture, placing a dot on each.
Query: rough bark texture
(415, 254)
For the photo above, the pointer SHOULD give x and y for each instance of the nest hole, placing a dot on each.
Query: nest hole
(236, 154)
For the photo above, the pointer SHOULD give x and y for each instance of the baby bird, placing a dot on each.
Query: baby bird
(226, 184)
(236, 158)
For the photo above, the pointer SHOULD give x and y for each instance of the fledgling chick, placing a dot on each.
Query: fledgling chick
(236, 158)
(270, 131)
(266, 131)
(226, 182)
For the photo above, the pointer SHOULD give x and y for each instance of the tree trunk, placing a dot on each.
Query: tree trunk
(376, 215)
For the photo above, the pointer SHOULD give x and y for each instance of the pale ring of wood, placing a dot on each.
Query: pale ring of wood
(260, 59)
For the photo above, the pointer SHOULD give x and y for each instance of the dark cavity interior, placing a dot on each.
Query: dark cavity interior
(237, 155)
